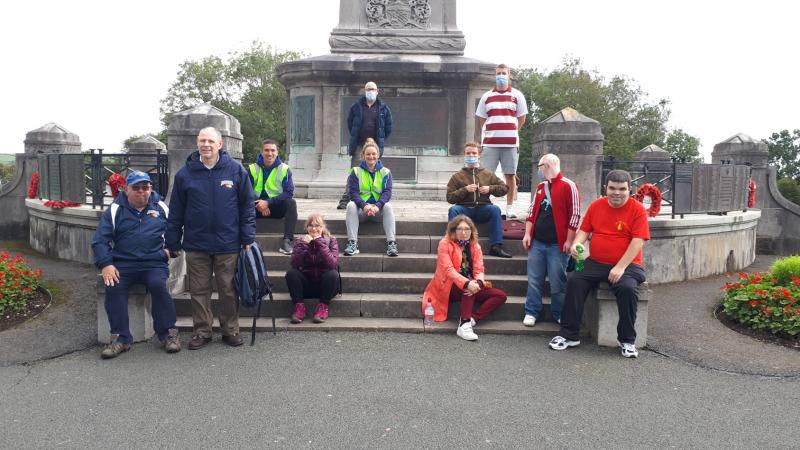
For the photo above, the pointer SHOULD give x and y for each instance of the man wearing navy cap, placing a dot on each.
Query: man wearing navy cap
(129, 248)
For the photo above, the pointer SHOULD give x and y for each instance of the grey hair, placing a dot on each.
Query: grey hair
(212, 130)
(550, 158)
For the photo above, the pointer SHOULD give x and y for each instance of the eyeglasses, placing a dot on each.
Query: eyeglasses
(141, 187)
(463, 229)
(314, 225)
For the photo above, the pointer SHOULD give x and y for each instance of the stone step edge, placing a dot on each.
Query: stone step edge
(384, 325)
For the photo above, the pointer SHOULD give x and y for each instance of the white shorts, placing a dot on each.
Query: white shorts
(506, 157)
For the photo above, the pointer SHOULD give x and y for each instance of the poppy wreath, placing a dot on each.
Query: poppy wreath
(116, 182)
(60, 204)
(751, 198)
(33, 186)
(650, 190)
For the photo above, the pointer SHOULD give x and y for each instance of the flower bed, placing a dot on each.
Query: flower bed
(768, 300)
(18, 283)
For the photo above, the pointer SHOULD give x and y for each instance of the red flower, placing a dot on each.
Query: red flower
(759, 292)
(33, 187)
(753, 303)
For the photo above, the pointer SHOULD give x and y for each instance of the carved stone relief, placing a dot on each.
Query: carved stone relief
(398, 14)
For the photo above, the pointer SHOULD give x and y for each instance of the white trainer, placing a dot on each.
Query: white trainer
(629, 350)
(511, 212)
(465, 332)
(529, 320)
(562, 343)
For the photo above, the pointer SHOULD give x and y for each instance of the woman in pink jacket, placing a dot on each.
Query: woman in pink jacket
(460, 277)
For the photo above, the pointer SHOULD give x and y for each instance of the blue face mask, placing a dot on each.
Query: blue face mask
(541, 175)
(470, 160)
(372, 95)
(462, 242)
(501, 80)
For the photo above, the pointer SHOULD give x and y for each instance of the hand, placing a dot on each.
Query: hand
(484, 189)
(110, 275)
(246, 247)
(306, 239)
(573, 250)
(526, 241)
(173, 253)
(567, 246)
(615, 274)
(314, 233)
(472, 288)
(263, 207)
(472, 187)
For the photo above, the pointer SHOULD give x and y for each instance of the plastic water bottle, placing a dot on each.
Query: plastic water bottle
(428, 314)
(579, 260)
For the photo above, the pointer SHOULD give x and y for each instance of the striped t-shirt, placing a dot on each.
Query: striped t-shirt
(501, 109)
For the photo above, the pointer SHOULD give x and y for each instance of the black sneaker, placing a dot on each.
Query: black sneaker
(351, 249)
(391, 249)
(286, 246)
(497, 250)
(343, 202)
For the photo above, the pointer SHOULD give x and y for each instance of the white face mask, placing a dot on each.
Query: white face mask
(371, 95)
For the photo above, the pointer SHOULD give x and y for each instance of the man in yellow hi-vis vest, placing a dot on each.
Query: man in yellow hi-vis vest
(274, 191)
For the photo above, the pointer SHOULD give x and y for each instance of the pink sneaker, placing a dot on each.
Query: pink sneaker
(299, 312)
(322, 313)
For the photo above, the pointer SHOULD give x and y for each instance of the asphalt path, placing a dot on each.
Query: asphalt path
(387, 390)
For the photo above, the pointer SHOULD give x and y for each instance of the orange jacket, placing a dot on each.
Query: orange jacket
(448, 264)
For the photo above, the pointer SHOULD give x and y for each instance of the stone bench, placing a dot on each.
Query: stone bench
(600, 315)
(140, 317)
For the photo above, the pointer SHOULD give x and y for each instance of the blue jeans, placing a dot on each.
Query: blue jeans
(482, 214)
(546, 259)
(163, 308)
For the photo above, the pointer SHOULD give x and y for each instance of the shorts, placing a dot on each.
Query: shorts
(507, 157)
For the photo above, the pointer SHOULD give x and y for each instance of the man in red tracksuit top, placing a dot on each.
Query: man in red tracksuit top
(549, 231)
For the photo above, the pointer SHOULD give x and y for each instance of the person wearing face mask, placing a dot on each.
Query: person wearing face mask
(501, 113)
(369, 118)
(468, 191)
(553, 219)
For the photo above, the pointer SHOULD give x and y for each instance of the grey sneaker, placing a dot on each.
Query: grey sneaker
(286, 247)
(173, 342)
(391, 249)
(351, 249)
(114, 348)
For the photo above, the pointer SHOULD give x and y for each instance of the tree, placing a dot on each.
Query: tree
(245, 85)
(683, 146)
(784, 153)
(629, 123)
(790, 189)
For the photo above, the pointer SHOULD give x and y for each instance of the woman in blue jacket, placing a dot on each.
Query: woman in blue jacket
(370, 188)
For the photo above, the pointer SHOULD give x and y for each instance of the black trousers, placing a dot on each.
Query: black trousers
(301, 287)
(287, 210)
(579, 284)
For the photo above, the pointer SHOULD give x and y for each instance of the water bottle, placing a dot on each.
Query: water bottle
(579, 260)
(428, 314)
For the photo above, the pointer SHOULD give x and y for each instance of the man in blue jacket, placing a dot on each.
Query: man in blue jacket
(128, 247)
(369, 117)
(211, 218)
(274, 191)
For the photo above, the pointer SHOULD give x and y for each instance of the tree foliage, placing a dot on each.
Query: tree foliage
(244, 84)
(790, 189)
(682, 146)
(628, 121)
(784, 153)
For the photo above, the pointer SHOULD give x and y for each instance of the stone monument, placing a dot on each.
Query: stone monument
(413, 50)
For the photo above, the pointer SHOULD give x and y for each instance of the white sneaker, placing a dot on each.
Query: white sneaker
(562, 343)
(529, 320)
(511, 212)
(465, 332)
(629, 350)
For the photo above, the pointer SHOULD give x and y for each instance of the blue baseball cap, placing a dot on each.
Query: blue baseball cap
(137, 176)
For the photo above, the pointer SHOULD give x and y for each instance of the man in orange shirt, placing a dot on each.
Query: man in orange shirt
(619, 227)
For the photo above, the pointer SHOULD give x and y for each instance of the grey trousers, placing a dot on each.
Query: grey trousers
(199, 267)
(355, 216)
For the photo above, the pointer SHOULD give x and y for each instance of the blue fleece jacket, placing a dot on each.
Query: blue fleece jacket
(354, 122)
(137, 240)
(355, 190)
(211, 210)
(288, 184)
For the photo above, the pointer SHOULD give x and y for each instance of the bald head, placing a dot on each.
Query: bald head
(371, 92)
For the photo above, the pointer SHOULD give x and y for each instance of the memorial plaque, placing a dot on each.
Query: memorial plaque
(417, 121)
(404, 168)
(301, 124)
(682, 187)
(53, 191)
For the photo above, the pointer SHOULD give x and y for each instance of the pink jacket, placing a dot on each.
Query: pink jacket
(448, 264)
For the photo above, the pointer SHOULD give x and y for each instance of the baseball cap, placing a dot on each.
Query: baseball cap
(137, 176)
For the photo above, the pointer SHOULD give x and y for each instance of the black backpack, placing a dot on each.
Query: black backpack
(252, 283)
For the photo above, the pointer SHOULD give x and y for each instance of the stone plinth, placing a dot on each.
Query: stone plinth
(578, 142)
(659, 166)
(140, 319)
(601, 315)
(143, 152)
(51, 138)
(741, 149)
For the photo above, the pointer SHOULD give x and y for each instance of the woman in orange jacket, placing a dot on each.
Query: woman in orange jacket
(460, 277)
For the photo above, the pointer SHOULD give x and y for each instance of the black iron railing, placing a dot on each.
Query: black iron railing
(98, 167)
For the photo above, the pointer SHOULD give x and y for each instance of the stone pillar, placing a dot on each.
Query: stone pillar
(143, 152)
(185, 125)
(578, 142)
(659, 166)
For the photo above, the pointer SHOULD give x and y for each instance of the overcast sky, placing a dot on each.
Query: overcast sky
(100, 68)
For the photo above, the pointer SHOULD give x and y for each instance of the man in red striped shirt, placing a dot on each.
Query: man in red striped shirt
(501, 112)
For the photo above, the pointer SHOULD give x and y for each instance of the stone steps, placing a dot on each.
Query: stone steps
(405, 243)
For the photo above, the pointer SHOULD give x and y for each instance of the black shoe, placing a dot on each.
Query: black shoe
(343, 202)
(497, 250)
(198, 342)
(233, 340)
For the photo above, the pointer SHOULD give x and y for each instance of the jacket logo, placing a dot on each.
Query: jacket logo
(228, 184)
(153, 213)
(619, 225)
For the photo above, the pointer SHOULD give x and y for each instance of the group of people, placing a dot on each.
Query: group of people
(215, 202)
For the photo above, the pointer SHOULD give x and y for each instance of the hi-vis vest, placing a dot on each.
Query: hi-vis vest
(368, 186)
(274, 183)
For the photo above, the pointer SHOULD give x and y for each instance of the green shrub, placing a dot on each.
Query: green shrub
(763, 302)
(18, 283)
(790, 189)
(786, 269)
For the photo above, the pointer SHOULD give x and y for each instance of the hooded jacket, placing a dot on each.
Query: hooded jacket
(382, 129)
(354, 189)
(134, 240)
(211, 210)
(457, 193)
